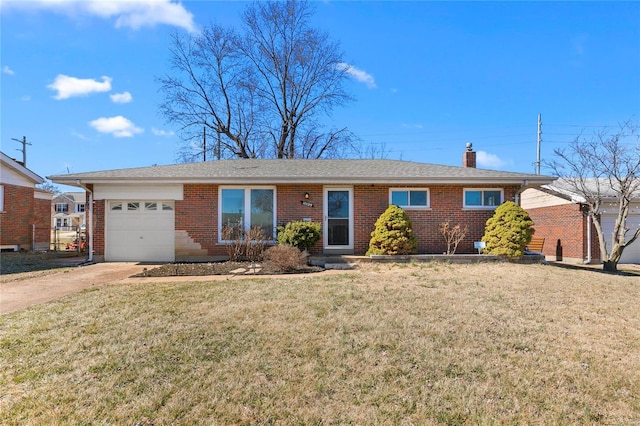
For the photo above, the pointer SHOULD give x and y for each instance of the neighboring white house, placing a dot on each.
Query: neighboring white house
(68, 211)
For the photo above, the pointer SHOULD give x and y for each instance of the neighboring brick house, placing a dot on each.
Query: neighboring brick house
(24, 209)
(68, 211)
(561, 218)
(178, 212)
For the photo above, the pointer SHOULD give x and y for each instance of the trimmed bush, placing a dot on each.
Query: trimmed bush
(393, 234)
(302, 235)
(286, 258)
(508, 231)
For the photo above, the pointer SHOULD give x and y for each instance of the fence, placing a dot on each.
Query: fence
(68, 239)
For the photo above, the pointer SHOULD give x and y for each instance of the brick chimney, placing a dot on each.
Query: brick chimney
(469, 157)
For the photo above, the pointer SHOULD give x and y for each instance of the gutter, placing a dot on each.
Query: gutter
(90, 224)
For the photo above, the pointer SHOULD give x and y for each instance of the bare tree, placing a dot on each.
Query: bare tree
(47, 185)
(602, 168)
(262, 91)
(209, 89)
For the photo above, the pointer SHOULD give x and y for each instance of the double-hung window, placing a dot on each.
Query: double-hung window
(62, 207)
(475, 198)
(410, 198)
(244, 208)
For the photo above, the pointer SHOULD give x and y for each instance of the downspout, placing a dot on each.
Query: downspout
(90, 224)
(588, 259)
(516, 198)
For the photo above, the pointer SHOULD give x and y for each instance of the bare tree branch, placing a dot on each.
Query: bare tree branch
(261, 91)
(605, 169)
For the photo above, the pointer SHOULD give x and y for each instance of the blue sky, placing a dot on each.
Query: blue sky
(78, 78)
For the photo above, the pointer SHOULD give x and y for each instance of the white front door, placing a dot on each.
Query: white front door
(338, 219)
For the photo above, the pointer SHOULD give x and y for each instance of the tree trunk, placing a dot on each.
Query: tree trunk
(610, 266)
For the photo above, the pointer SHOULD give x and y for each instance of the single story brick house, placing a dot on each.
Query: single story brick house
(560, 217)
(178, 212)
(24, 209)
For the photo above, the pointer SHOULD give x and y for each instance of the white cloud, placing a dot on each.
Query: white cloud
(484, 159)
(361, 76)
(119, 126)
(133, 14)
(121, 98)
(7, 70)
(68, 87)
(160, 132)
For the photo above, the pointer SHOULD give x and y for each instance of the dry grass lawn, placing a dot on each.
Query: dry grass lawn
(386, 344)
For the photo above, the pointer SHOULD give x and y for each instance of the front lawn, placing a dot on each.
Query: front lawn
(386, 344)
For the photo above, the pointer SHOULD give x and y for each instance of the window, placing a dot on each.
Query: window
(80, 208)
(482, 198)
(133, 206)
(116, 206)
(151, 206)
(62, 207)
(243, 208)
(410, 198)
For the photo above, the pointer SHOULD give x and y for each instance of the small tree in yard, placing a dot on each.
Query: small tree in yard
(605, 167)
(508, 231)
(393, 234)
(453, 235)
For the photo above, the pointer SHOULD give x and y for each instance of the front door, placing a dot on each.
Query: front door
(338, 219)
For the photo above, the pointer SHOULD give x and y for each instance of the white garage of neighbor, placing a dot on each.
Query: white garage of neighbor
(631, 253)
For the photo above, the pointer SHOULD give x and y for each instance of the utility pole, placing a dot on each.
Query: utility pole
(539, 143)
(24, 149)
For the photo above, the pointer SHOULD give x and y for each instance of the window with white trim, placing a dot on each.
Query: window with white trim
(410, 198)
(480, 198)
(62, 207)
(80, 208)
(242, 208)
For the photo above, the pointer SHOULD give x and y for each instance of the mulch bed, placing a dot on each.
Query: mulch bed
(221, 268)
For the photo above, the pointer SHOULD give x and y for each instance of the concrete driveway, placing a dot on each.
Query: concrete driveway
(22, 293)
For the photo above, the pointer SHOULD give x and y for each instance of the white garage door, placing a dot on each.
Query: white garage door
(141, 231)
(631, 254)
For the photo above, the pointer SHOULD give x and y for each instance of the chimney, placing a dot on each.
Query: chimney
(469, 157)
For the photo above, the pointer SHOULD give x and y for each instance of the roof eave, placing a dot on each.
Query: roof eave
(498, 180)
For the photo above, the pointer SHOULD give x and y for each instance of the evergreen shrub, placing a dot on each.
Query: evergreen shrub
(393, 234)
(508, 231)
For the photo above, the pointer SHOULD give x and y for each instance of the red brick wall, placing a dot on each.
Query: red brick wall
(564, 229)
(99, 212)
(42, 220)
(197, 214)
(17, 219)
(446, 206)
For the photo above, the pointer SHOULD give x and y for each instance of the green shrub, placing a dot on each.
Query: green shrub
(302, 235)
(393, 234)
(508, 231)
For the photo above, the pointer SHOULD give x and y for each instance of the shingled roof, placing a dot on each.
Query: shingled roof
(252, 171)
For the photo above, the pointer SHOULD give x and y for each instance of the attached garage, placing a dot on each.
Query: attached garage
(631, 254)
(140, 230)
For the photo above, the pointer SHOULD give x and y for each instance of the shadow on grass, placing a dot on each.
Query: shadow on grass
(19, 262)
(597, 269)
